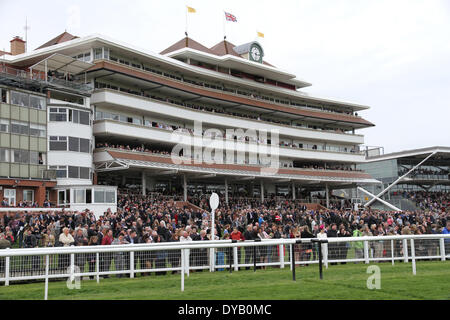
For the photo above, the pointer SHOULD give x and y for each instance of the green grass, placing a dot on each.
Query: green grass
(432, 281)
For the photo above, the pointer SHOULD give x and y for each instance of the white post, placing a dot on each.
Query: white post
(144, 182)
(72, 265)
(262, 191)
(281, 248)
(97, 263)
(327, 191)
(7, 262)
(291, 257)
(226, 190)
(235, 258)
(132, 264)
(392, 251)
(184, 187)
(413, 257)
(293, 190)
(366, 252)
(182, 268)
(442, 248)
(405, 250)
(46, 277)
(212, 260)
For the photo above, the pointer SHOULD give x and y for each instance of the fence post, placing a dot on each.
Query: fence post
(413, 257)
(212, 260)
(72, 266)
(392, 251)
(229, 258)
(366, 252)
(254, 258)
(235, 258)
(7, 262)
(442, 248)
(46, 276)
(405, 250)
(97, 266)
(281, 250)
(132, 264)
(183, 258)
(293, 260)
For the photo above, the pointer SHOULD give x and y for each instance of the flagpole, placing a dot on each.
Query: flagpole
(224, 33)
(186, 30)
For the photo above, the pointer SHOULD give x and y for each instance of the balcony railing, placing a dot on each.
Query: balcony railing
(40, 78)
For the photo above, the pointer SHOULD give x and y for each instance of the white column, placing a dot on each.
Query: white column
(226, 190)
(327, 195)
(262, 191)
(293, 190)
(144, 180)
(185, 187)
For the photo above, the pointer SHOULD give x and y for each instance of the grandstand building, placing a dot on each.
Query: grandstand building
(112, 114)
(424, 170)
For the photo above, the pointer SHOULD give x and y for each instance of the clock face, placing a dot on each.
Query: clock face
(255, 53)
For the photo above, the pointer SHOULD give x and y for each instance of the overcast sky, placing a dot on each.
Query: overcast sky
(393, 55)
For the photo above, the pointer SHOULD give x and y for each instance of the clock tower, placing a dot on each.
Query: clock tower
(251, 51)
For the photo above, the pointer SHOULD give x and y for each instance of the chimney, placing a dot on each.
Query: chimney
(17, 46)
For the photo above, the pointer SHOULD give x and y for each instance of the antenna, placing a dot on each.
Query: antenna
(26, 27)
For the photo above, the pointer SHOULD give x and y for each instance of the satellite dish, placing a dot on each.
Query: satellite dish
(214, 201)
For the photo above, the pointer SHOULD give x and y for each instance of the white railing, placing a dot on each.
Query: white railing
(182, 257)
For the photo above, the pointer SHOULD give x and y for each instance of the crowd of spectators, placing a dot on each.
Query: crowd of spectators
(429, 200)
(150, 220)
(424, 171)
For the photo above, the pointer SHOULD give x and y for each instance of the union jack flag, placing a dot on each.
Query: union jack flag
(230, 17)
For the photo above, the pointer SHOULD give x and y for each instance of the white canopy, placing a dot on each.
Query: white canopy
(62, 63)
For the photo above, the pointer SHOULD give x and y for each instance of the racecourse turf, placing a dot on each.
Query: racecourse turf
(348, 281)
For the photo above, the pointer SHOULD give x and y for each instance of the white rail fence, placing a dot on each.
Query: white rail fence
(95, 262)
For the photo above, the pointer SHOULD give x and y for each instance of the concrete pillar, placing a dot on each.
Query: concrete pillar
(124, 179)
(327, 193)
(144, 182)
(226, 190)
(262, 190)
(293, 190)
(185, 187)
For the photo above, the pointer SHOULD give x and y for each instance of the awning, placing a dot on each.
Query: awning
(62, 63)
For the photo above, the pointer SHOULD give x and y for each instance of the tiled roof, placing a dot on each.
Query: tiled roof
(186, 43)
(224, 47)
(63, 37)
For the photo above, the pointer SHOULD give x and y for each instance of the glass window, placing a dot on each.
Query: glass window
(34, 157)
(28, 195)
(110, 197)
(19, 127)
(58, 143)
(4, 125)
(99, 196)
(4, 155)
(3, 95)
(106, 53)
(97, 53)
(84, 117)
(84, 145)
(74, 172)
(37, 102)
(80, 195)
(20, 156)
(84, 173)
(61, 172)
(20, 99)
(37, 130)
(74, 144)
(10, 196)
(58, 114)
